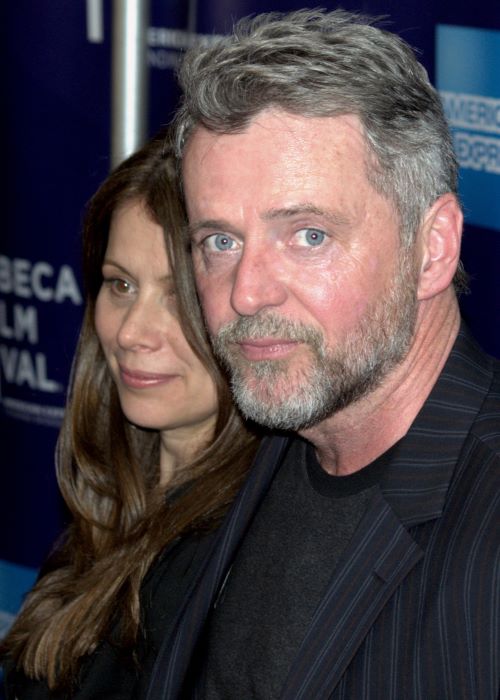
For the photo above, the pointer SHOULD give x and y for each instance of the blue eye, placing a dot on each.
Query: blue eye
(310, 237)
(220, 242)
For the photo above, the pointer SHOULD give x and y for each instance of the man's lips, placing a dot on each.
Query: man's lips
(267, 348)
(138, 379)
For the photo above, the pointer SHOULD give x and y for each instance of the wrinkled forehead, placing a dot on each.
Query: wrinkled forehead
(277, 128)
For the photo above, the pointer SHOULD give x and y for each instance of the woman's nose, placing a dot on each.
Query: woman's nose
(142, 327)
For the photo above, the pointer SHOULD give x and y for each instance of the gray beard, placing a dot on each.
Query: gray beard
(281, 395)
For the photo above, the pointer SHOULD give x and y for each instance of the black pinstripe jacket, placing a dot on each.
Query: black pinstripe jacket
(412, 611)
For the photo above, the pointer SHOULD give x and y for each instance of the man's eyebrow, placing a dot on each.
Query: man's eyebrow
(206, 224)
(306, 208)
(272, 214)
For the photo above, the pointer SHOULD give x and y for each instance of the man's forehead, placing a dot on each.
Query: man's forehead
(273, 124)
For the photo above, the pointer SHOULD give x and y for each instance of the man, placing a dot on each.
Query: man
(360, 559)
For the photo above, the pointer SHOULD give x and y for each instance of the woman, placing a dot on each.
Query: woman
(150, 454)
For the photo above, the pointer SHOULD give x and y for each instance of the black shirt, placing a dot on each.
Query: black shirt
(284, 565)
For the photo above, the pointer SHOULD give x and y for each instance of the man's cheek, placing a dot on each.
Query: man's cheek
(213, 308)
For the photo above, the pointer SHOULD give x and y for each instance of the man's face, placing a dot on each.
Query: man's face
(308, 297)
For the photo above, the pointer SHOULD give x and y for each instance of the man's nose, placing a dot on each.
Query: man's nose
(258, 282)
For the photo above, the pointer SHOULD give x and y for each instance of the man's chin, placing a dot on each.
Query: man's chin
(279, 404)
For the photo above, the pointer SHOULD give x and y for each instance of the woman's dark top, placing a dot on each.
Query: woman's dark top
(110, 672)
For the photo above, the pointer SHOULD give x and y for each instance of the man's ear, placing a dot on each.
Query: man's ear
(440, 237)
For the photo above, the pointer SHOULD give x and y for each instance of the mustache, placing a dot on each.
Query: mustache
(270, 325)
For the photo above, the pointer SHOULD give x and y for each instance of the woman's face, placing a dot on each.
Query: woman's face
(161, 383)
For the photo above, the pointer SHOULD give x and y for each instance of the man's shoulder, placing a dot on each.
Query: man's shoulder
(475, 378)
(478, 467)
(486, 426)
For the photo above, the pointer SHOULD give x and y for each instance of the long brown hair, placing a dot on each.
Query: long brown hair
(108, 470)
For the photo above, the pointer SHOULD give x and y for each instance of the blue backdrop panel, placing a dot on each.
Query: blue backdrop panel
(57, 124)
(467, 64)
(15, 580)
(57, 119)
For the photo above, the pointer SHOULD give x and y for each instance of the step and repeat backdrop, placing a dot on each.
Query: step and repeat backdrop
(57, 150)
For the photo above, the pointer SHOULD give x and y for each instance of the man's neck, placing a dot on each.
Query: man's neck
(355, 436)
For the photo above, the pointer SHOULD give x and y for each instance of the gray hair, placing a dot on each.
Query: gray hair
(316, 63)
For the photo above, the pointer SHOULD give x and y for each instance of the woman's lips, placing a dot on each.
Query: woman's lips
(137, 379)
(267, 348)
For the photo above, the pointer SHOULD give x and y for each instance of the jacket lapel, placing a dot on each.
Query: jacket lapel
(380, 556)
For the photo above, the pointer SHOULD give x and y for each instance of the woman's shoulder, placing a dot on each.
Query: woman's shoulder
(104, 674)
(110, 672)
(17, 686)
